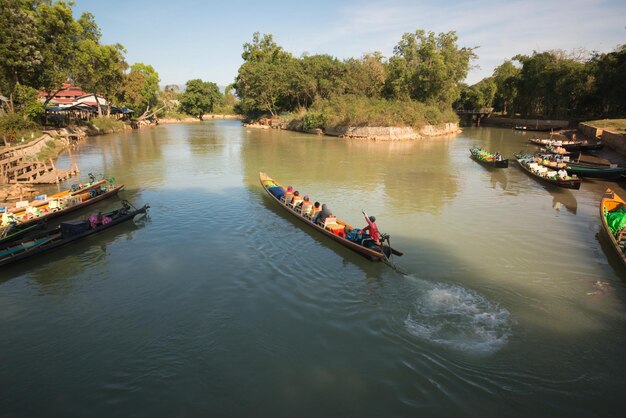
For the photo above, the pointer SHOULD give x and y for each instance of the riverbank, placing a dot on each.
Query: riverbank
(379, 133)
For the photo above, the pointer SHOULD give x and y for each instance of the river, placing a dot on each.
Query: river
(219, 304)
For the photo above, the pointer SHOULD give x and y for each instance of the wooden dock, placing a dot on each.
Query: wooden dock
(17, 167)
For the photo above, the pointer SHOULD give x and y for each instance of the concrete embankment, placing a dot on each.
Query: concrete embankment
(380, 133)
(614, 140)
(531, 124)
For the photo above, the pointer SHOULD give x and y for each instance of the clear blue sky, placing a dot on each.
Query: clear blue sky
(185, 39)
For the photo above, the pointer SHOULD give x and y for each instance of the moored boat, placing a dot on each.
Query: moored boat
(487, 158)
(582, 169)
(600, 171)
(65, 233)
(613, 216)
(530, 165)
(333, 227)
(53, 208)
(584, 146)
(554, 142)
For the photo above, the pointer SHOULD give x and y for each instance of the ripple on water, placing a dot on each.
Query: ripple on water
(459, 318)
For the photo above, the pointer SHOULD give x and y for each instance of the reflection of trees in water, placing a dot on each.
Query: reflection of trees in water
(415, 175)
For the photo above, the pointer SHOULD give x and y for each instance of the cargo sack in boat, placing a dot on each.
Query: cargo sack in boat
(616, 221)
(71, 228)
(353, 235)
(277, 191)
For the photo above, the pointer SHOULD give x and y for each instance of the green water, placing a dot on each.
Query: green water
(221, 305)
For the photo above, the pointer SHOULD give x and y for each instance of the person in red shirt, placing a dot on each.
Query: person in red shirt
(370, 232)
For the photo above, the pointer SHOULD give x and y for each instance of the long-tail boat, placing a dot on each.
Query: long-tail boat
(487, 158)
(583, 169)
(554, 142)
(55, 207)
(545, 174)
(65, 233)
(613, 216)
(333, 227)
(584, 146)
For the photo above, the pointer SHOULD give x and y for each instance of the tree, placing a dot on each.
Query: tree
(263, 81)
(428, 68)
(100, 69)
(366, 76)
(505, 77)
(19, 45)
(140, 88)
(59, 34)
(199, 97)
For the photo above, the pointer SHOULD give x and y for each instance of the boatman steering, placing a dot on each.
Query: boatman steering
(370, 232)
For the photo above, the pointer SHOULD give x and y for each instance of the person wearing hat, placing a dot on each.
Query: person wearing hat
(370, 232)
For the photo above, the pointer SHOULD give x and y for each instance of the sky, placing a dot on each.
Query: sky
(187, 39)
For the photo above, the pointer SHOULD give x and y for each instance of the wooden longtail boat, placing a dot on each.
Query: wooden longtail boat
(68, 204)
(487, 158)
(595, 170)
(611, 202)
(78, 189)
(554, 142)
(527, 161)
(584, 169)
(64, 234)
(584, 146)
(336, 230)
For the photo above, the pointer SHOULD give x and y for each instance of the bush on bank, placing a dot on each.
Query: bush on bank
(350, 110)
(107, 125)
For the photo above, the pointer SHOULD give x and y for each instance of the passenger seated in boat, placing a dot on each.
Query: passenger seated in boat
(497, 156)
(314, 211)
(562, 173)
(296, 199)
(288, 195)
(325, 213)
(370, 233)
(305, 206)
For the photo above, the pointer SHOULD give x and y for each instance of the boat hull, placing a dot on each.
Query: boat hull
(62, 212)
(609, 202)
(566, 184)
(495, 164)
(364, 251)
(49, 240)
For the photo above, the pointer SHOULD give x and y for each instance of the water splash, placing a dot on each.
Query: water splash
(459, 318)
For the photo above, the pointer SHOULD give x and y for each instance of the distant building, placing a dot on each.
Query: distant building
(71, 95)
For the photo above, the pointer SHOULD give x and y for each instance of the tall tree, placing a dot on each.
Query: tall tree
(428, 67)
(263, 82)
(200, 97)
(100, 69)
(19, 45)
(59, 34)
(140, 88)
(506, 77)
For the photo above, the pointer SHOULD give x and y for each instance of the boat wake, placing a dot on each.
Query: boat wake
(458, 318)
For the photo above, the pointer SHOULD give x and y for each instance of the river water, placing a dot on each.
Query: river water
(221, 305)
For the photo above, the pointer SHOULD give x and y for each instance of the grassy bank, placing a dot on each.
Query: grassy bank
(107, 125)
(359, 111)
(613, 125)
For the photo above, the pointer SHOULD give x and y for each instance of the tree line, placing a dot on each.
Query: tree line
(43, 46)
(554, 85)
(425, 73)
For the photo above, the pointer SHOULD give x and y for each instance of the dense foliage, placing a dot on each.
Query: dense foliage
(42, 46)
(554, 84)
(200, 97)
(416, 86)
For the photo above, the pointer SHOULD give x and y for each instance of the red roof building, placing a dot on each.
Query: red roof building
(70, 95)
